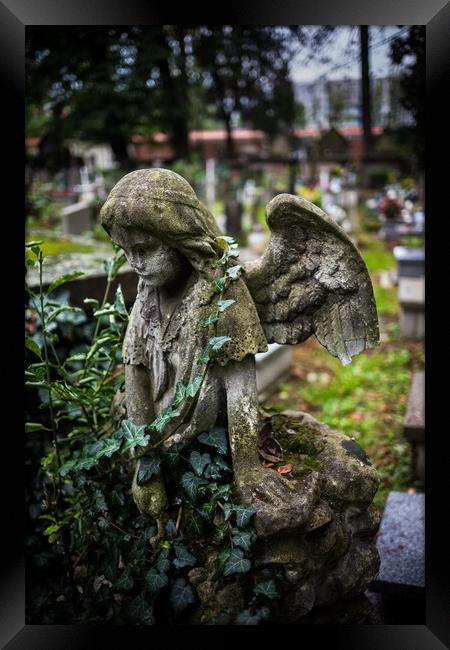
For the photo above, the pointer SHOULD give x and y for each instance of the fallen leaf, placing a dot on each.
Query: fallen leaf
(268, 464)
(269, 457)
(285, 469)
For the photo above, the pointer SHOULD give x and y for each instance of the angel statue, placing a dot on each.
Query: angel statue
(310, 280)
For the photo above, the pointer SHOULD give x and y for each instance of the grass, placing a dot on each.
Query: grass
(53, 247)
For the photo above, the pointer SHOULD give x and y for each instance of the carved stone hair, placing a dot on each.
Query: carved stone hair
(163, 204)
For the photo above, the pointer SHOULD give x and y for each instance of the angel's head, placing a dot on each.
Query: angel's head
(155, 216)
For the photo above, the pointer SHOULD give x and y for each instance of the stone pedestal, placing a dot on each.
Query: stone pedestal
(328, 556)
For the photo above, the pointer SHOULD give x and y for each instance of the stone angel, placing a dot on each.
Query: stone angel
(311, 280)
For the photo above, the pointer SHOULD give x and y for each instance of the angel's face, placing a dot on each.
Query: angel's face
(159, 264)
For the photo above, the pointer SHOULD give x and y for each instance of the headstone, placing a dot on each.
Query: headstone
(76, 218)
(411, 290)
(414, 424)
(271, 367)
(401, 545)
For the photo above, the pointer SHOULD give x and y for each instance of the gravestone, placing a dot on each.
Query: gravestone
(414, 425)
(401, 545)
(76, 218)
(411, 290)
(272, 367)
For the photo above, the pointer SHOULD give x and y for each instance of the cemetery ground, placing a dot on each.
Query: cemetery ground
(366, 400)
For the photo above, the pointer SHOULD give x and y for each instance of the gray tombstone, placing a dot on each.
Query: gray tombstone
(76, 218)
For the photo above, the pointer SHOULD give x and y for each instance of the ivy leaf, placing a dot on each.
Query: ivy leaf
(33, 346)
(217, 342)
(134, 435)
(173, 454)
(156, 580)
(33, 243)
(227, 511)
(233, 271)
(222, 559)
(181, 595)
(149, 465)
(224, 304)
(199, 461)
(163, 419)
(215, 437)
(243, 515)
(125, 582)
(162, 563)
(267, 588)
(110, 446)
(219, 284)
(85, 463)
(243, 539)
(142, 611)
(190, 483)
(171, 529)
(67, 467)
(224, 238)
(212, 318)
(192, 389)
(64, 278)
(204, 355)
(236, 563)
(195, 524)
(180, 393)
(247, 618)
(183, 557)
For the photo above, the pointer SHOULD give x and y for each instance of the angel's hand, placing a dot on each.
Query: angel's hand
(278, 502)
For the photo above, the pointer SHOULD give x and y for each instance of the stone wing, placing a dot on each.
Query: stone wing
(311, 279)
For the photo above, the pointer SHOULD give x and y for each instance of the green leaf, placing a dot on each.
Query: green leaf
(163, 419)
(212, 318)
(267, 588)
(64, 308)
(133, 434)
(91, 301)
(86, 463)
(140, 610)
(222, 559)
(236, 563)
(247, 618)
(125, 582)
(180, 394)
(243, 515)
(224, 304)
(67, 467)
(225, 238)
(173, 454)
(149, 465)
(156, 580)
(227, 511)
(183, 558)
(204, 355)
(193, 388)
(162, 562)
(33, 243)
(109, 447)
(33, 346)
(35, 426)
(195, 524)
(215, 437)
(119, 302)
(181, 595)
(233, 271)
(243, 539)
(190, 483)
(217, 342)
(64, 278)
(199, 461)
(219, 284)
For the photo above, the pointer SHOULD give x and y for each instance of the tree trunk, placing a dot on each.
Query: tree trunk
(365, 89)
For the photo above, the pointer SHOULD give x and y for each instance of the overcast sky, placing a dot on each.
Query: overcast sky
(342, 55)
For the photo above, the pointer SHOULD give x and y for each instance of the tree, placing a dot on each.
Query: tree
(411, 47)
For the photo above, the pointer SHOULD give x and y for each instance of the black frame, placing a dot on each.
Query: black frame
(15, 15)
